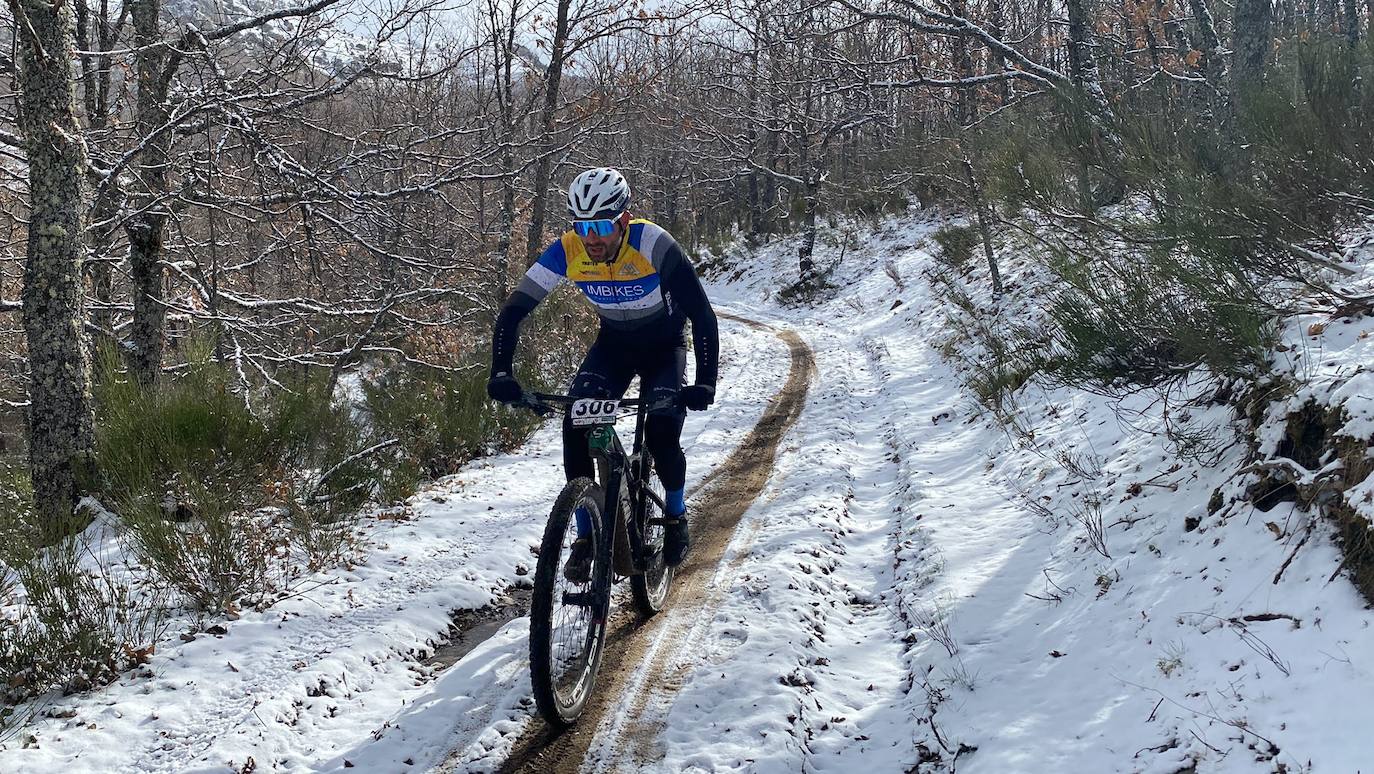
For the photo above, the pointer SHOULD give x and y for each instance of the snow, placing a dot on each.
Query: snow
(917, 588)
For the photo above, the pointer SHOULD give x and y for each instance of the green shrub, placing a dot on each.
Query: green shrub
(817, 287)
(442, 420)
(17, 532)
(996, 378)
(76, 627)
(873, 203)
(957, 244)
(1024, 159)
(1130, 323)
(1234, 202)
(996, 358)
(221, 502)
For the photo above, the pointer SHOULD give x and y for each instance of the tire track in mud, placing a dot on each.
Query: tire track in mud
(637, 677)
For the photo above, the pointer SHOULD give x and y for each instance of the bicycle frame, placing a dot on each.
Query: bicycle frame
(622, 497)
(609, 453)
(606, 448)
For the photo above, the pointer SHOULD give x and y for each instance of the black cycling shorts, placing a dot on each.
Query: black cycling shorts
(606, 372)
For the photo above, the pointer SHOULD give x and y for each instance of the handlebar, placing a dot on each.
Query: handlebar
(544, 404)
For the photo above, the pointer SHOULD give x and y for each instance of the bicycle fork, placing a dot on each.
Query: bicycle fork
(608, 457)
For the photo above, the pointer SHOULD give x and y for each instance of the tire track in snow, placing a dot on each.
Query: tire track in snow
(636, 655)
(807, 606)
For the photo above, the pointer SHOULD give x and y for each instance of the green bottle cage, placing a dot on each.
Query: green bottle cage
(600, 438)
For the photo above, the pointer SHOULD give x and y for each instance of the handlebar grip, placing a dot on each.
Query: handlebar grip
(532, 402)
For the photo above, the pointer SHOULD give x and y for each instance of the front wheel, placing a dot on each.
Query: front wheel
(650, 588)
(567, 620)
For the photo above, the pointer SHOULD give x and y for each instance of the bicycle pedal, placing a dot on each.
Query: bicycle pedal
(664, 521)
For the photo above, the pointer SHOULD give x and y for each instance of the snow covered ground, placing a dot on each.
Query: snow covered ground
(928, 587)
(916, 588)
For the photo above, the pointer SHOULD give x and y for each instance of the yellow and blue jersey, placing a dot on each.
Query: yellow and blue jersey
(628, 291)
(644, 296)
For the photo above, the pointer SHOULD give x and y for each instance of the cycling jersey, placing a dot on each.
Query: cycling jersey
(644, 296)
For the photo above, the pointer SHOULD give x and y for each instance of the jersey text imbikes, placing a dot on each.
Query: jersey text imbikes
(613, 291)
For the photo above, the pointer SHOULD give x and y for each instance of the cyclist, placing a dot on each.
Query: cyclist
(644, 289)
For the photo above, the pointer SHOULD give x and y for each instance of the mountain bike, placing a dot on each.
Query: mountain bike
(625, 503)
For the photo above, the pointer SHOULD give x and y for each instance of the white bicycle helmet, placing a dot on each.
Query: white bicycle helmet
(598, 193)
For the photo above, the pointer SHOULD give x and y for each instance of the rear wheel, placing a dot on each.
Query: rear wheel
(650, 588)
(567, 626)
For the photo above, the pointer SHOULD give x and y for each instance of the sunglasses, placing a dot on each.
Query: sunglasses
(603, 227)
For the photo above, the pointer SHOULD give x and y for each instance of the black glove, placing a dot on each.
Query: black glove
(504, 388)
(697, 397)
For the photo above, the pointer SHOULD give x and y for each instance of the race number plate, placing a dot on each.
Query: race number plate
(594, 411)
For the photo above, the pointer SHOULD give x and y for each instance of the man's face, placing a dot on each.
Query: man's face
(601, 248)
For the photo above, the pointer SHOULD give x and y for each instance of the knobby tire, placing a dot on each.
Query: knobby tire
(650, 588)
(546, 605)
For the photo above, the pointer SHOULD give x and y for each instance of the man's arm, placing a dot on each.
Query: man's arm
(681, 280)
(541, 278)
(507, 332)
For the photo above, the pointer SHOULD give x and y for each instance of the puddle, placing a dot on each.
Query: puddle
(471, 628)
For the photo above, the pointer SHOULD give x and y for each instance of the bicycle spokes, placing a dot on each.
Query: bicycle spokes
(572, 616)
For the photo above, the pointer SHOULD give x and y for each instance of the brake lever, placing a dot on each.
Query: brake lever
(529, 401)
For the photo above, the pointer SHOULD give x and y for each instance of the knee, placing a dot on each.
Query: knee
(589, 384)
(663, 434)
(664, 394)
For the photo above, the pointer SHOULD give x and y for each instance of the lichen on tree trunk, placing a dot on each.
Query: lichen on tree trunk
(61, 426)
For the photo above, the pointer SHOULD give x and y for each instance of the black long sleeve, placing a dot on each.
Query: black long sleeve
(684, 286)
(507, 331)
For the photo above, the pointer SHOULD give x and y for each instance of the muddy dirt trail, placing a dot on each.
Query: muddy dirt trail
(639, 672)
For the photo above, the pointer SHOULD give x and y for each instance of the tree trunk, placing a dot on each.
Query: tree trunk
(1212, 65)
(963, 67)
(145, 229)
(506, 221)
(984, 230)
(1253, 39)
(145, 264)
(806, 265)
(60, 427)
(997, 20)
(503, 62)
(751, 141)
(1290, 17)
(1107, 145)
(1038, 46)
(553, 78)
